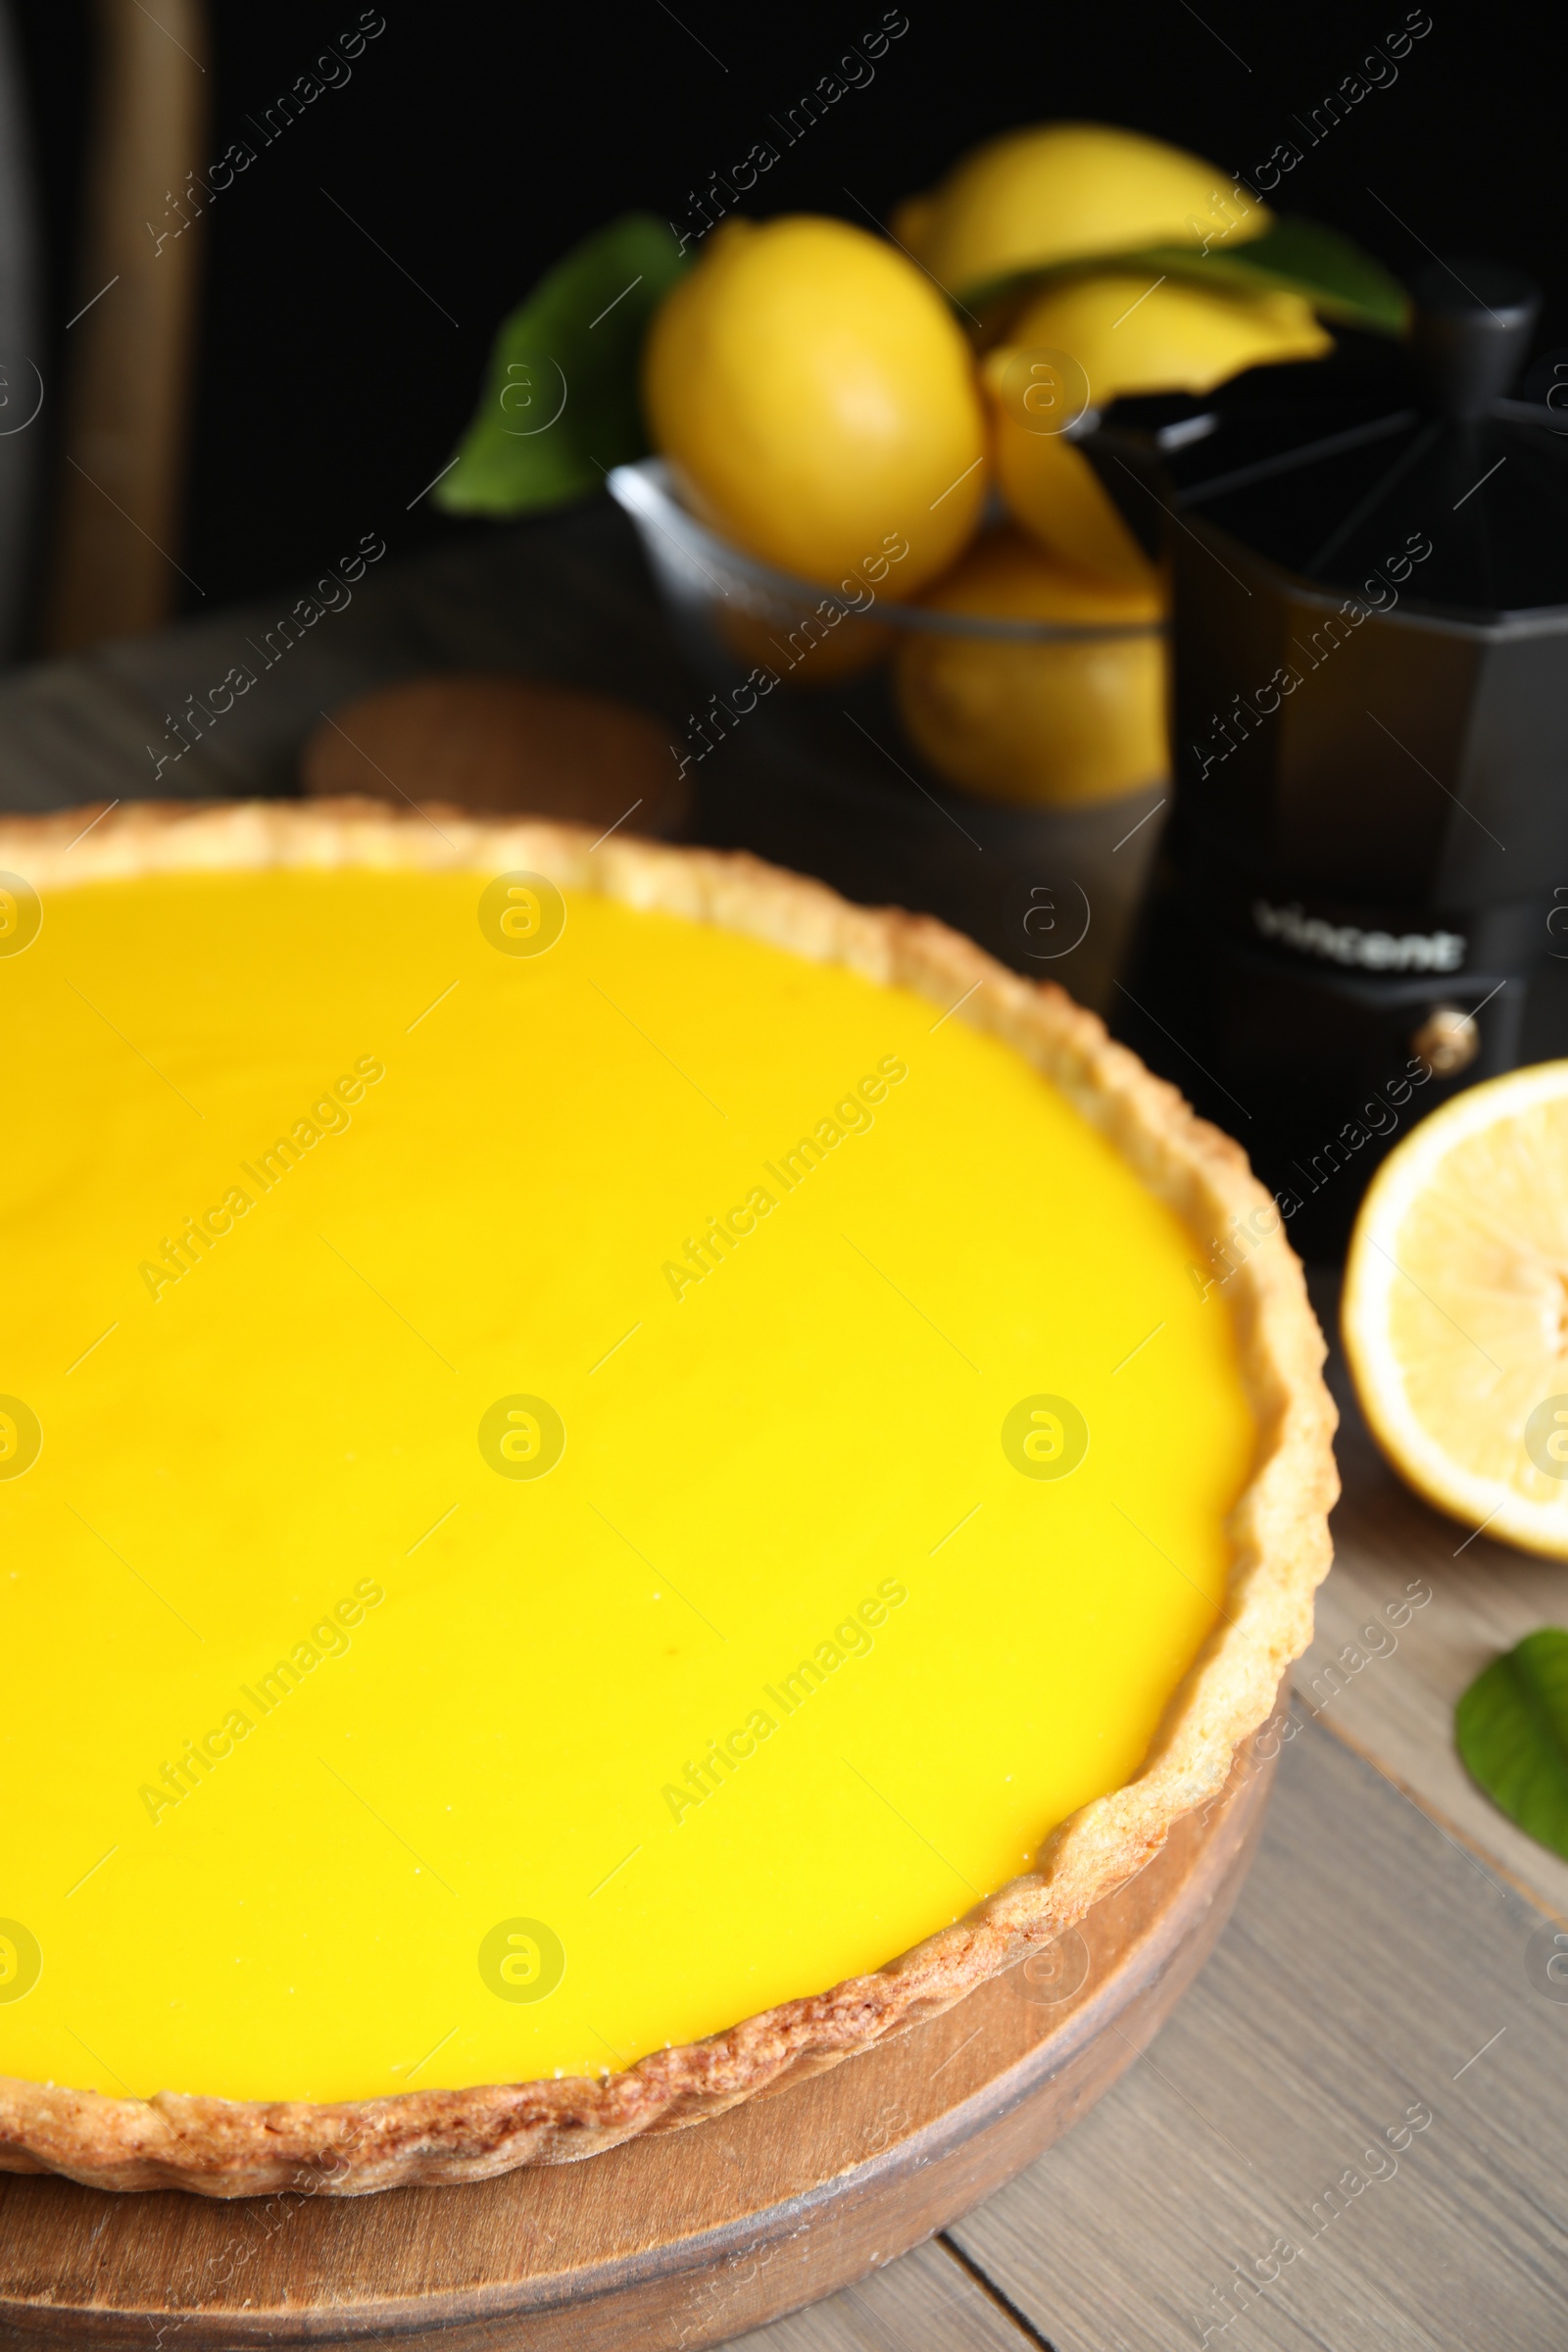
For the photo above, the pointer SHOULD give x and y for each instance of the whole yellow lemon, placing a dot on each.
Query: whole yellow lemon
(1053, 723)
(1088, 339)
(803, 647)
(1058, 496)
(818, 404)
(1130, 331)
(1058, 191)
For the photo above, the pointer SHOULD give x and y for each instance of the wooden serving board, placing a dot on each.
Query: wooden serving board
(679, 2239)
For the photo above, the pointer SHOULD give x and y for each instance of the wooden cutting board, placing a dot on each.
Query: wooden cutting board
(680, 2239)
(494, 744)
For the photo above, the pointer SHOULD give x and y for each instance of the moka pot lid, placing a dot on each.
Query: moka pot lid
(1327, 468)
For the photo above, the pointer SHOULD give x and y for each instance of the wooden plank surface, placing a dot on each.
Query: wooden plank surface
(1383, 1942)
(1369, 1972)
(1397, 1706)
(929, 2302)
(564, 599)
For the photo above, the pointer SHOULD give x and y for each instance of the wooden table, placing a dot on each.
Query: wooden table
(1385, 1966)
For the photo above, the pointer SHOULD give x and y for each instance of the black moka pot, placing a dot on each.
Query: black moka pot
(1369, 716)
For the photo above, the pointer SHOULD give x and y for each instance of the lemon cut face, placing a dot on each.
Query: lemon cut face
(565, 1475)
(1456, 1308)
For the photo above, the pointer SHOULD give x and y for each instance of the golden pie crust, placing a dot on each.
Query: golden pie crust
(1279, 1529)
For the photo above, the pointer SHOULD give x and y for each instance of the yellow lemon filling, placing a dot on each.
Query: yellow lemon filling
(564, 1476)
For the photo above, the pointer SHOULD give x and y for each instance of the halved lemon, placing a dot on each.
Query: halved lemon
(1456, 1308)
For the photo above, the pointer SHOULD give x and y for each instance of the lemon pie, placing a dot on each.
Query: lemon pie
(615, 1480)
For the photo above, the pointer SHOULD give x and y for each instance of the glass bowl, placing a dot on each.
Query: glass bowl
(797, 749)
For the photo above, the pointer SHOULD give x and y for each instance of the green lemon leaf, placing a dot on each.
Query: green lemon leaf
(1293, 257)
(1511, 1727)
(1299, 257)
(560, 405)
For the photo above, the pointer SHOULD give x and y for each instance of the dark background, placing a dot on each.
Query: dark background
(475, 142)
